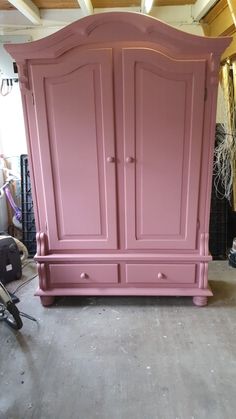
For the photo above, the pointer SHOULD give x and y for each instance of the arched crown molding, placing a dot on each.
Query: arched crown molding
(117, 26)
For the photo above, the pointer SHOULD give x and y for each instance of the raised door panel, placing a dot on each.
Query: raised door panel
(74, 110)
(163, 116)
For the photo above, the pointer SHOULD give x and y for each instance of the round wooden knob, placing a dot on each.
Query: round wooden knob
(160, 275)
(83, 275)
(129, 159)
(110, 159)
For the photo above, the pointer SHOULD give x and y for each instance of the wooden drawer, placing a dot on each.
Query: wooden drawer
(83, 274)
(160, 273)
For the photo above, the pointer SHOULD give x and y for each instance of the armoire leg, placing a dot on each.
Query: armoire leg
(200, 301)
(47, 300)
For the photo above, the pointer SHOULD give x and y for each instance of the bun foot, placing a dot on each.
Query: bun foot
(47, 300)
(200, 301)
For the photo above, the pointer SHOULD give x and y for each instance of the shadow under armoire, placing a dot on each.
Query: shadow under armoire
(120, 119)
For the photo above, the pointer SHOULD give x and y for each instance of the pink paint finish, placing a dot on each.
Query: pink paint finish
(166, 156)
(76, 137)
(161, 273)
(120, 120)
(83, 274)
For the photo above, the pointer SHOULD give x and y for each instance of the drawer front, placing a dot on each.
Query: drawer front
(160, 273)
(83, 274)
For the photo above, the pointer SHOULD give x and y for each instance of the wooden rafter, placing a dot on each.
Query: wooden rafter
(28, 9)
(144, 6)
(232, 8)
(219, 22)
(5, 5)
(86, 7)
(97, 4)
(201, 8)
(56, 4)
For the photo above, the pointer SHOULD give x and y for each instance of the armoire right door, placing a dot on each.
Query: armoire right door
(163, 105)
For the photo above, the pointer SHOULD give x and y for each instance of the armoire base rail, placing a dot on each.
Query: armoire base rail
(199, 295)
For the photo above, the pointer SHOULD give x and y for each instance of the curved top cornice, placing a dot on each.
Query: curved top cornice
(115, 27)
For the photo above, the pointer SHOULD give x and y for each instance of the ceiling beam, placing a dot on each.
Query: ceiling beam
(232, 8)
(201, 7)
(146, 6)
(28, 9)
(86, 7)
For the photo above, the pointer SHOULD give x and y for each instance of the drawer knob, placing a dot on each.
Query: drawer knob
(160, 275)
(83, 275)
(110, 159)
(129, 159)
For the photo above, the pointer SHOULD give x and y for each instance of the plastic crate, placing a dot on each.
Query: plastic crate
(28, 220)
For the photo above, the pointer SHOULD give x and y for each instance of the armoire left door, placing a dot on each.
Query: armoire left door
(75, 128)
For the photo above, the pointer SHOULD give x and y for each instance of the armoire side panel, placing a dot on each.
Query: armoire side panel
(162, 149)
(80, 142)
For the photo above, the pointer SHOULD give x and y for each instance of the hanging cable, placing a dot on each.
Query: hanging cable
(225, 151)
(6, 87)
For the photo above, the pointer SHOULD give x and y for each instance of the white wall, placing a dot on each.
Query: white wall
(12, 132)
(178, 16)
(12, 140)
(53, 20)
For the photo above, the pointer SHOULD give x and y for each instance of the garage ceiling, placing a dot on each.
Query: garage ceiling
(74, 4)
(40, 12)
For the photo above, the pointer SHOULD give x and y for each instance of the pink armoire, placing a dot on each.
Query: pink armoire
(120, 119)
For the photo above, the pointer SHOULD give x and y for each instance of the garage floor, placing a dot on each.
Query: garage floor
(122, 358)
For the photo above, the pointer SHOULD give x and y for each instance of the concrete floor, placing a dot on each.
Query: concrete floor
(122, 358)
